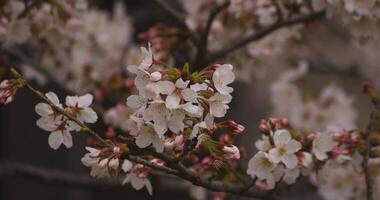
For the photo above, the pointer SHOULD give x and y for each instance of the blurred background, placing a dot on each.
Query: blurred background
(331, 59)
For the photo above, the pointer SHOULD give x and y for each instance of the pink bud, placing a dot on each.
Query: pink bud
(157, 161)
(178, 140)
(225, 138)
(155, 76)
(111, 134)
(262, 185)
(231, 152)
(234, 126)
(114, 163)
(264, 129)
(116, 150)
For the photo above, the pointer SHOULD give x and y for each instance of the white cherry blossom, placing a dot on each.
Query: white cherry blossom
(79, 106)
(148, 136)
(218, 104)
(222, 77)
(284, 149)
(322, 143)
(181, 92)
(262, 167)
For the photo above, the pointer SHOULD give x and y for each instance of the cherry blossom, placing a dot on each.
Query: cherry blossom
(222, 77)
(322, 144)
(79, 107)
(284, 149)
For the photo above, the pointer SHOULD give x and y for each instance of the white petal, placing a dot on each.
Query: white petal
(126, 166)
(71, 101)
(176, 124)
(161, 126)
(137, 183)
(136, 70)
(291, 175)
(172, 101)
(143, 139)
(88, 115)
(165, 87)
(181, 84)
(158, 144)
(135, 101)
(148, 186)
(190, 108)
(67, 139)
(274, 155)
(55, 140)
(218, 109)
(72, 126)
(209, 120)
(47, 123)
(189, 95)
(281, 137)
(43, 109)
(85, 100)
(290, 161)
(52, 97)
(293, 146)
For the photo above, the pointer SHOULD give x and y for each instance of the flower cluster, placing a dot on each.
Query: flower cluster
(331, 107)
(178, 103)
(107, 162)
(75, 42)
(59, 125)
(284, 154)
(360, 17)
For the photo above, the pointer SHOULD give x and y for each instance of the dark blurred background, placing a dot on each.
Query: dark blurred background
(23, 142)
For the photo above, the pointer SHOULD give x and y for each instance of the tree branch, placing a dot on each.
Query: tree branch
(178, 18)
(177, 168)
(56, 177)
(203, 42)
(262, 33)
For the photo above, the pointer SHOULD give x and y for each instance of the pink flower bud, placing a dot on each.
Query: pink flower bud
(207, 161)
(157, 161)
(225, 138)
(231, 152)
(264, 129)
(7, 91)
(116, 150)
(262, 185)
(114, 163)
(155, 76)
(234, 126)
(111, 134)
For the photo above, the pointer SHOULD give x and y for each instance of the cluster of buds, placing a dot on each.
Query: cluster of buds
(106, 162)
(8, 89)
(273, 124)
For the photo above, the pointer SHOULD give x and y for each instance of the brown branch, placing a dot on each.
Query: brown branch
(278, 10)
(178, 18)
(55, 177)
(203, 41)
(262, 33)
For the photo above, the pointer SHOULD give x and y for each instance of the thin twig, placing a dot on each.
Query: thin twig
(178, 18)
(278, 10)
(262, 33)
(55, 177)
(203, 41)
(72, 118)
